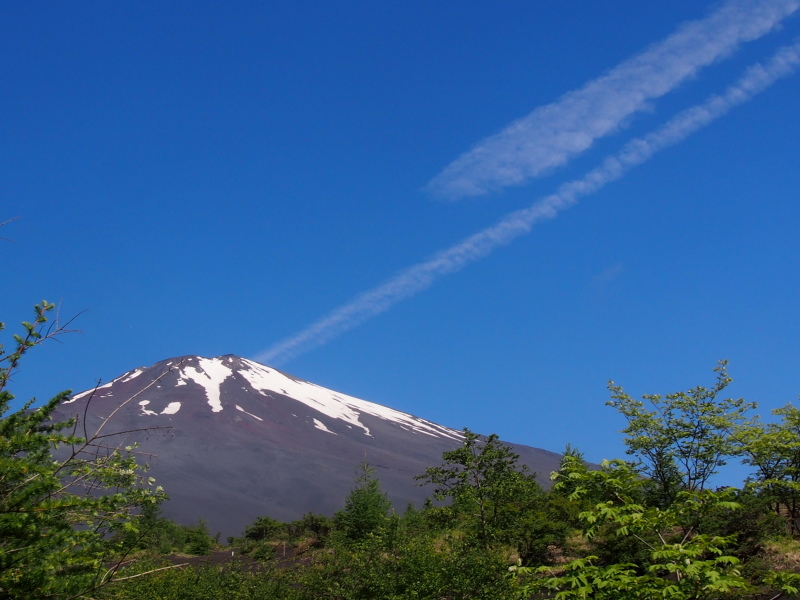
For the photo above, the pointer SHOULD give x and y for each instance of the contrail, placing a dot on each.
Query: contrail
(420, 276)
(553, 134)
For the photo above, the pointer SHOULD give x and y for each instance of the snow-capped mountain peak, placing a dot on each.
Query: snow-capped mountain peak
(231, 439)
(220, 376)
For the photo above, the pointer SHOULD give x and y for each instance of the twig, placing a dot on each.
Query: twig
(6, 223)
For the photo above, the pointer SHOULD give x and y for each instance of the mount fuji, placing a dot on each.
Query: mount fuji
(230, 440)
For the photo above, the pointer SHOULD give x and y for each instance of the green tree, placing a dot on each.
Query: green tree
(483, 483)
(366, 508)
(155, 533)
(686, 437)
(316, 526)
(198, 539)
(264, 528)
(677, 561)
(57, 515)
(773, 449)
(261, 537)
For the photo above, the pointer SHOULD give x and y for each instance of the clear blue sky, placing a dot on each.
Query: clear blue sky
(208, 178)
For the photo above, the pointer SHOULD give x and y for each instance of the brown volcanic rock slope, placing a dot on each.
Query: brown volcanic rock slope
(231, 440)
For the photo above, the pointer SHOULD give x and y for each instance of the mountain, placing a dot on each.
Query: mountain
(230, 440)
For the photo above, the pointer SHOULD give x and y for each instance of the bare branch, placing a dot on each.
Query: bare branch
(6, 223)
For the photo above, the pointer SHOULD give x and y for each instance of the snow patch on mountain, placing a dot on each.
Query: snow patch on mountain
(210, 375)
(239, 408)
(133, 375)
(320, 425)
(171, 408)
(121, 379)
(87, 392)
(335, 405)
(145, 410)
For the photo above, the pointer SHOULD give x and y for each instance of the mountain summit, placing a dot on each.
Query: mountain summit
(230, 440)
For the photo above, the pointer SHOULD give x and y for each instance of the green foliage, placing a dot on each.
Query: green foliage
(58, 515)
(268, 529)
(752, 524)
(652, 529)
(154, 533)
(683, 441)
(198, 540)
(675, 574)
(774, 451)
(403, 562)
(541, 525)
(231, 582)
(366, 508)
(676, 560)
(265, 534)
(264, 528)
(484, 485)
(788, 583)
(311, 524)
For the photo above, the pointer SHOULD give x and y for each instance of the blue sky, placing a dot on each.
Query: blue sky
(271, 180)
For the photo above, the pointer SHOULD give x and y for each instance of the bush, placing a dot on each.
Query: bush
(198, 540)
(231, 582)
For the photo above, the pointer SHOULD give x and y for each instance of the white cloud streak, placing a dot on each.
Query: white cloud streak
(553, 134)
(422, 275)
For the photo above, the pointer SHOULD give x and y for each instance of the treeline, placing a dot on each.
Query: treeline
(88, 525)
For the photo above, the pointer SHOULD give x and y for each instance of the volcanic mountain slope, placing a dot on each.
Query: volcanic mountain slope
(231, 440)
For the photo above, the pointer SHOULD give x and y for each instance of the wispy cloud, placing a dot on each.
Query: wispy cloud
(607, 275)
(421, 276)
(553, 134)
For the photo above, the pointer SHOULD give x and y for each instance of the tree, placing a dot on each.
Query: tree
(366, 509)
(264, 528)
(155, 533)
(773, 449)
(483, 482)
(57, 514)
(687, 436)
(198, 538)
(677, 561)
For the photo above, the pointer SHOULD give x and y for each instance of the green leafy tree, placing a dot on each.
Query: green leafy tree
(773, 449)
(484, 485)
(155, 533)
(264, 528)
(572, 461)
(311, 524)
(678, 562)
(366, 509)
(542, 527)
(57, 515)
(198, 539)
(686, 437)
